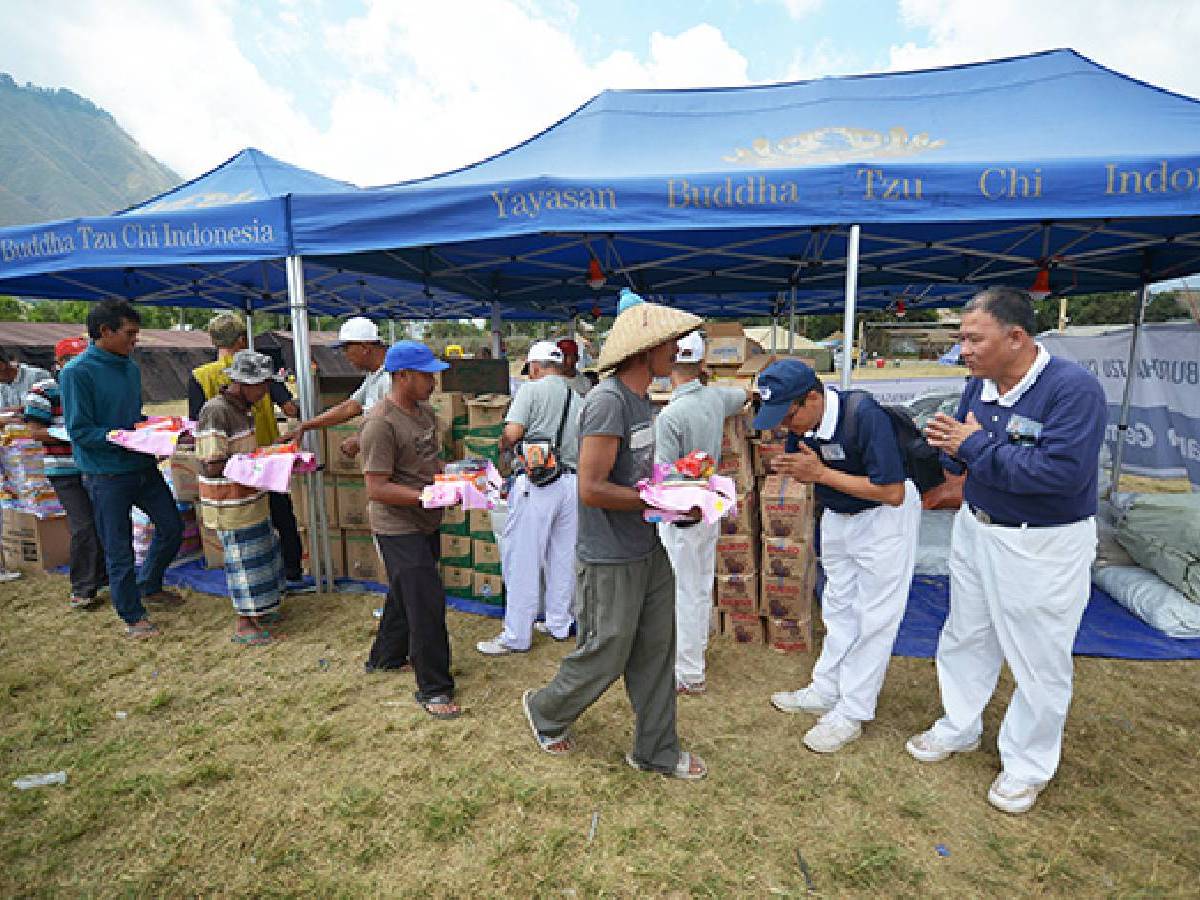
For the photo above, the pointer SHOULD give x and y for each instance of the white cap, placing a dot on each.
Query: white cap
(691, 348)
(545, 351)
(358, 330)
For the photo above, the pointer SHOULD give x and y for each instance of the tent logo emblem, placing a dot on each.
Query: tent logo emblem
(834, 144)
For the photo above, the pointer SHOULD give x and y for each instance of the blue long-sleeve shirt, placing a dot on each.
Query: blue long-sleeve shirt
(1035, 461)
(102, 391)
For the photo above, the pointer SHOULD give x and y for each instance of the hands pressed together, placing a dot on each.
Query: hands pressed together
(947, 433)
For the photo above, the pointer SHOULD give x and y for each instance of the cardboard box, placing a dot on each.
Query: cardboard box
(351, 502)
(738, 593)
(786, 506)
(790, 635)
(454, 521)
(752, 367)
(763, 452)
(456, 550)
(185, 476)
(785, 558)
(479, 524)
(738, 467)
(737, 554)
(488, 588)
(474, 376)
(726, 344)
(734, 433)
(458, 580)
(485, 415)
(335, 460)
(788, 598)
(486, 553)
(300, 499)
(744, 628)
(746, 520)
(726, 376)
(337, 547)
(451, 411)
(362, 557)
(31, 544)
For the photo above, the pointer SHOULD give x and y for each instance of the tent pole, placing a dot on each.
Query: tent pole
(1123, 427)
(391, 331)
(851, 302)
(496, 329)
(249, 324)
(792, 324)
(775, 323)
(315, 488)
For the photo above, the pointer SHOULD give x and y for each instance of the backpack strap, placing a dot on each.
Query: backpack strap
(562, 425)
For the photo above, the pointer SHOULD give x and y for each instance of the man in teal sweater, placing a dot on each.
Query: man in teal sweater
(102, 391)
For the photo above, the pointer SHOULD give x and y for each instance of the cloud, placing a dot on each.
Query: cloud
(1153, 40)
(800, 9)
(822, 60)
(397, 91)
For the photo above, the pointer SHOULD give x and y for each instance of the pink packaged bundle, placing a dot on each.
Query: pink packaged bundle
(470, 486)
(269, 471)
(716, 498)
(157, 436)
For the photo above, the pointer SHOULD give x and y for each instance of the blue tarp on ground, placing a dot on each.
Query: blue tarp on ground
(1108, 629)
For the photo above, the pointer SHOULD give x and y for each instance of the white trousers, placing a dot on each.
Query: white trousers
(1016, 596)
(538, 546)
(693, 555)
(868, 560)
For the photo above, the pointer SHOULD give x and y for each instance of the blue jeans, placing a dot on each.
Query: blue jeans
(113, 498)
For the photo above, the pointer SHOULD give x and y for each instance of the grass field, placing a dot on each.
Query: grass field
(285, 771)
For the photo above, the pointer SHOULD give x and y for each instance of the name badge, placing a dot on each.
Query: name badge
(1023, 431)
(641, 437)
(833, 453)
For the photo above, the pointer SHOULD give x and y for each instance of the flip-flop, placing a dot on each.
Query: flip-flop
(139, 631)
(555, 746)
(251, 638)
(682, 770)
(441, 700)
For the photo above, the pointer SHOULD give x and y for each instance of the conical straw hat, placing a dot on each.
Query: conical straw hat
(642, 327)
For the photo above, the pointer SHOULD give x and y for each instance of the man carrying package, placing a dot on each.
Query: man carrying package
(400, 456)
(868, 541)
(239, 514)
(539, 533)
(1028, 431)
(358, 339)
(570, 367)
(692, 420)
(624, 588)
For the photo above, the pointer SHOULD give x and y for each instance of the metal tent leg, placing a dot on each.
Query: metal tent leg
(851, 302)
(1123, 426)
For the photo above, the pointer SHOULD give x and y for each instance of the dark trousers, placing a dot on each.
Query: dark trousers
(283, 518)
(88, 572)
(413, 627)
(113, 499)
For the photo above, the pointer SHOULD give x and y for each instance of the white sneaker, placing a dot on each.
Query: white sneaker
(831, 735)
(495, 648)
(804, 700)
(924, 747)
(9, 576)
(543, 628)
(1011, 795)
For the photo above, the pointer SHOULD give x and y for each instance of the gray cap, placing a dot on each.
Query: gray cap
(249, 367)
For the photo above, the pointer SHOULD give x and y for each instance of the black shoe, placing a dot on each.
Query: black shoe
(370, 668)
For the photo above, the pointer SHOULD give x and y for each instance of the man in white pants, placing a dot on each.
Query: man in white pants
(538, 541)
(693, 420)
(1028, 431)
(868, 541)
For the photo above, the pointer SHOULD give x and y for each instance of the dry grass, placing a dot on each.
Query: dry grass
(285, 771)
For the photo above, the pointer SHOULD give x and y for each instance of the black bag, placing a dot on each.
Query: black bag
(539, 457)
(922, 462)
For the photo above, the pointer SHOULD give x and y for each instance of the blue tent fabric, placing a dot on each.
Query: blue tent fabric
(1107, 629)
(951, 356)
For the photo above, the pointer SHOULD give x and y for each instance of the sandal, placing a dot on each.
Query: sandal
(142, 629)
(690, 688)
(689, 767)
(449, 710)
(555, 746)
(77, 602)
(164, 599)
(251, 638)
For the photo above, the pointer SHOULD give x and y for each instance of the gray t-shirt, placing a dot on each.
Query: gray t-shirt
(539, 407)
(12, 395)
(373, 387)
(610, 536)
(694, 419)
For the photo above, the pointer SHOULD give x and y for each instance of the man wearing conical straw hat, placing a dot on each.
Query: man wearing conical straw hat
(625, 588)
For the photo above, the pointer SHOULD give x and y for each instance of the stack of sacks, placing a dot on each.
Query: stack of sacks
(26, 486)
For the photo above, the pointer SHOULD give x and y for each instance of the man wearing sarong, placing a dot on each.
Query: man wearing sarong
(239, 514)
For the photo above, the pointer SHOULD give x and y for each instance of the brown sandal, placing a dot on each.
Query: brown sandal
(141, 630)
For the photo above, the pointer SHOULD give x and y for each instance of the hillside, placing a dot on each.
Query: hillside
(61, 156)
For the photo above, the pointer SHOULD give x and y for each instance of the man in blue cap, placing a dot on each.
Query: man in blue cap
(400, 456)
(872, 513)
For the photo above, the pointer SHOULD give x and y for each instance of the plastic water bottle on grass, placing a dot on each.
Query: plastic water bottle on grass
(33, 781)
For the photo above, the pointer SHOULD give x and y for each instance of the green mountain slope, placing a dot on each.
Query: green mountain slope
(61, 156)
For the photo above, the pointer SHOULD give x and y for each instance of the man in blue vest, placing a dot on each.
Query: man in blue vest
(1028, 432)
(868, 541)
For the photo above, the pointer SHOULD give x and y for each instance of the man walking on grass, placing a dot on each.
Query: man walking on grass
(239, 514)
(102, 391)
(624, 589)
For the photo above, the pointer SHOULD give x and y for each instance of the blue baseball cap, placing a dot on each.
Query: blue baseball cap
(778, 385)
(412, 356)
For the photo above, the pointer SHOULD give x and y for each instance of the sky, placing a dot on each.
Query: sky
(380, 91)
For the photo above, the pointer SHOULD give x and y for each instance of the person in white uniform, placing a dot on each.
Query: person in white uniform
(869, 527)
(1028, 432)
(692, 420)
(538, 540)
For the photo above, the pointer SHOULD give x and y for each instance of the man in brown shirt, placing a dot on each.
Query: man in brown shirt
(399, 442)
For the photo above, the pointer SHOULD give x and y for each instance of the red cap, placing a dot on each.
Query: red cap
(70, 347)
(569, 347)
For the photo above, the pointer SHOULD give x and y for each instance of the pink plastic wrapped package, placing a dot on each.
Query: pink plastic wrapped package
(672, 500)
(271, 471)
(464, 491)
(157, 436)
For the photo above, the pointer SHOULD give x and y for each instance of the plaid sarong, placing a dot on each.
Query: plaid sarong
(253, 568)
